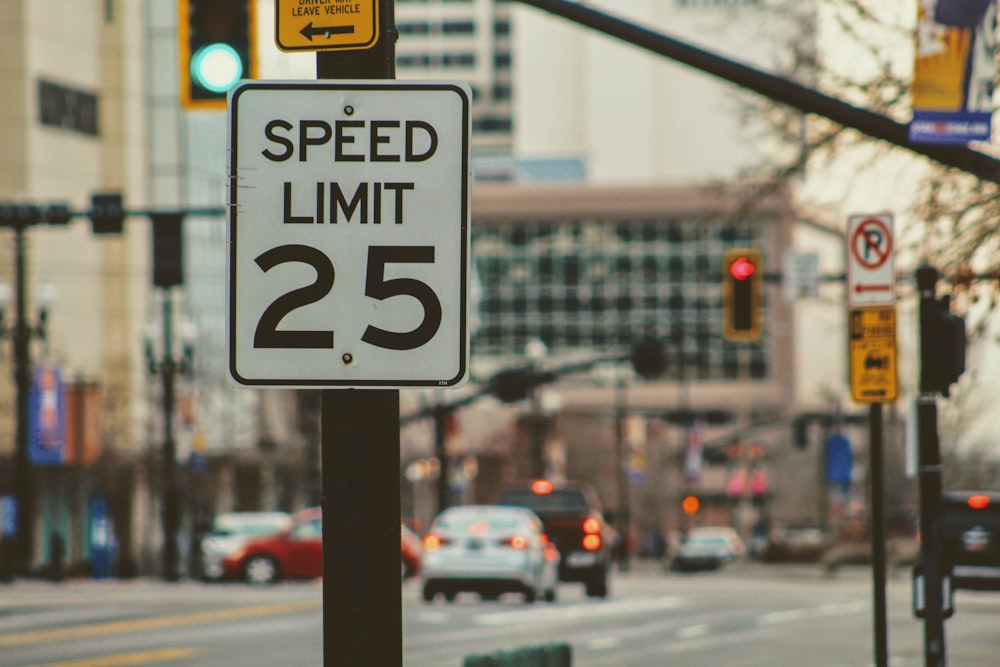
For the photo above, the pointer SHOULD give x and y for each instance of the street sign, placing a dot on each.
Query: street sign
(873, 355)
(871, 280)
(800, 276)
(349, 233)
(325, 25)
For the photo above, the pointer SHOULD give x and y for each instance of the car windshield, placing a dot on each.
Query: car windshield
(461, 522)
(707, 540)
(248, 527)
(548, 504)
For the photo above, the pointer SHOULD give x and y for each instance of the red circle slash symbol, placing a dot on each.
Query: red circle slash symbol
(871, 243)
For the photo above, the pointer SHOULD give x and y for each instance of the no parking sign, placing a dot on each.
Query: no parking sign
(871, 280)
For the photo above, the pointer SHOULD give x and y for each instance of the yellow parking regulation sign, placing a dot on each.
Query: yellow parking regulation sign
(325, 25)
(872, 341)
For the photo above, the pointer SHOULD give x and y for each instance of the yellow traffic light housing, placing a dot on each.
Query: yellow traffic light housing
(742, 276)
(216, 47)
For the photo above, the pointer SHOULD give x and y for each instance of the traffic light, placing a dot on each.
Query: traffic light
(648, 358)
(742, 275)
(216, 47)
(945, 344)
(168, 249)
(512, 385)
(690, 505)
(107, 213)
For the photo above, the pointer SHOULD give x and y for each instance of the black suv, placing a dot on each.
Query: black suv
(571, 514)
(970, 535)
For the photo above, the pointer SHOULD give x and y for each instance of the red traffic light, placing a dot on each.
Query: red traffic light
(979, 501)
(690, 505)
(742, 268)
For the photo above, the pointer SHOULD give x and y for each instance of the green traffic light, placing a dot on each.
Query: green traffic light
(216, 67)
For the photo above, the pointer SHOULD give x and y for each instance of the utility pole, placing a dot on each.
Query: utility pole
(23, 473)
(624, 513)
(171, 501)
(19, 217)
(442, 415)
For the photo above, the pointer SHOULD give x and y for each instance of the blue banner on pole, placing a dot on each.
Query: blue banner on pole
(47, 417)
(839, 460)
(8, 516)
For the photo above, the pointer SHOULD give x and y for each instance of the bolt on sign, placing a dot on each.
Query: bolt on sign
(325, 25)
(873, 355)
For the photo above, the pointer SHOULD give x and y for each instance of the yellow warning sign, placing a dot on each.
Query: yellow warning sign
(873, 355)
(325, 25)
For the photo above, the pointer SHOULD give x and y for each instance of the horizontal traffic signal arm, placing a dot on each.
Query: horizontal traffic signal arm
(778, 89)
(14, 213)
(531, 378)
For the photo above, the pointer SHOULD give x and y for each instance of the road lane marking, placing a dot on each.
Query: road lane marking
(157, 623)
(693, 631)
(126, 659)
(823, 611)
(588, 611)
(602, 643)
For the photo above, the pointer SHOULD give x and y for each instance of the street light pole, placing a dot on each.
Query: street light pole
(624, 513)
(171, 504)
(23, 484)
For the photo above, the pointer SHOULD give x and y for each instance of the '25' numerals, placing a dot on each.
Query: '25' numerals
(267, 334)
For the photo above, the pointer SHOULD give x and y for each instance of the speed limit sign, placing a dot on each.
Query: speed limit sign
(348, 233)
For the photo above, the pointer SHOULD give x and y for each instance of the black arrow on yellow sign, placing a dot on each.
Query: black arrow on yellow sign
(309, 31)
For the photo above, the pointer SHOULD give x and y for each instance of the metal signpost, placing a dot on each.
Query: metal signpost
(871, 296)
(348, 265)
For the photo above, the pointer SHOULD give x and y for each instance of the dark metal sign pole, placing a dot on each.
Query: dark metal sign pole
(929, 476)
(362, 608)
(876, 459)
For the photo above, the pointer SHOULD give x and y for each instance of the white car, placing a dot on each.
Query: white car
(489, 550)
(231, 531)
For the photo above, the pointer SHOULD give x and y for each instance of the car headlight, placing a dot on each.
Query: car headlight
(236, 555)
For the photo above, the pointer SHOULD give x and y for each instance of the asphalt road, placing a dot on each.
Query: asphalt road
(743, 616)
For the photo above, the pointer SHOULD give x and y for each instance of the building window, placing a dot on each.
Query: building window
(413, 60)
(601, 285)
(458, 28)
(492, 124)
(459, 60)
(422, 28)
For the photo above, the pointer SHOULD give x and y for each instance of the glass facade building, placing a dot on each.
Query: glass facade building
(594, 270)
(468, 40)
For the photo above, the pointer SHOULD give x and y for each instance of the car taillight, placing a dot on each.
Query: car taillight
(979, 501)
(518, 542)
(433, 542)
(591, 525)
(541, 487)
(592, 542)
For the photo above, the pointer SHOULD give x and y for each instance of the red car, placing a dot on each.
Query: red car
(296, 553)
(410, 550)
